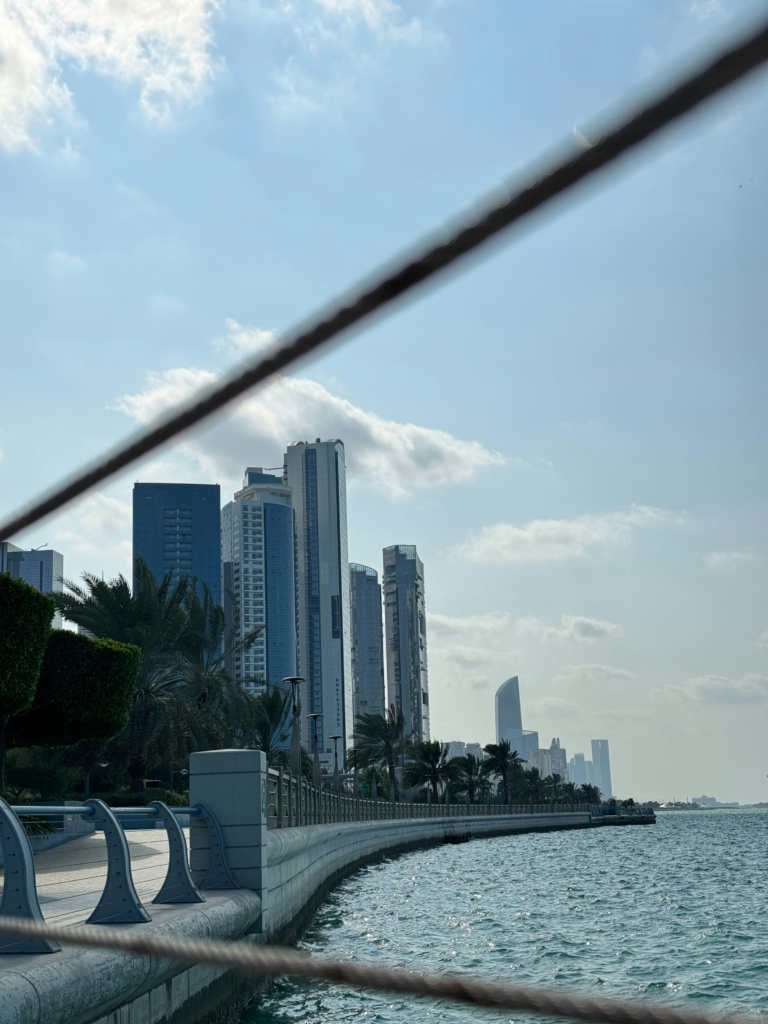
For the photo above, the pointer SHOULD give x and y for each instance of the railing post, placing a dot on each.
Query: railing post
(232, 785)
(19, 889)
(280, 797)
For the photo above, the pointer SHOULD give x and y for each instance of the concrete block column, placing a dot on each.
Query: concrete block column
(233, 785)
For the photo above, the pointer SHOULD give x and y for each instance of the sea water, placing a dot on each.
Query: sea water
(676, 911)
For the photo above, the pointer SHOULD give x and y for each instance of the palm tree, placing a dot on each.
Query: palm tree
(427, 765)
(184, 698)
(380, 741)
(504, 763)
(552, 783)
(569, 793)
(535, 789)
(468, 776)
(590, 794)
(273, 714)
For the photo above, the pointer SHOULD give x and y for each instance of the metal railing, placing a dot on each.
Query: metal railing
(107, 874)
(293, 803)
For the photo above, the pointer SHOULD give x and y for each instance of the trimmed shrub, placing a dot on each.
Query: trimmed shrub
(84, 692)
(25, 626)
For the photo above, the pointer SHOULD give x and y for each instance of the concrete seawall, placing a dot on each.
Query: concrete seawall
(283, 874)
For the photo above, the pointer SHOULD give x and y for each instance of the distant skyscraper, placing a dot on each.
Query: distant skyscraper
(541, 760)
(476, 750)
(316, 473)
(177, 529)
(509, 724)
(508, 715)
(602, 767)
(456, 748)
(366, 641)
(42, 569)
(558, 758)
(580, 770)
(258, 570)
(406, 633)
(6, 548)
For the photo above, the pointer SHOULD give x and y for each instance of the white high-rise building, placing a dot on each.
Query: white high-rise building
(316, 474)
(42, 569)
(406, 638)
(258, 570)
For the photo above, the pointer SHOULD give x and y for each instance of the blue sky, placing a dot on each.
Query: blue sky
(573, 431)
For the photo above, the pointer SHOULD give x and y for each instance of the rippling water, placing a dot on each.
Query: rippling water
(675, 911)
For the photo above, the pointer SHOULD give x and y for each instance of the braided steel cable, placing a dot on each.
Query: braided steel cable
(540, 185)
(273, 961)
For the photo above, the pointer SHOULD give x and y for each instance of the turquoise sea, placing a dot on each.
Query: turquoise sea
(676, 912)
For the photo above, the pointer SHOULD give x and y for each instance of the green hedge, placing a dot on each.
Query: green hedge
(85, 691)
(25, 626)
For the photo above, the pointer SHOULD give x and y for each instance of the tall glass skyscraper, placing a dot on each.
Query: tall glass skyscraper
(367, 641)
(42, 569)
(508, 714)
(601, 767)
(406, 631)
(258, 565)
(509, 720)
(177, 529)
(316, 474)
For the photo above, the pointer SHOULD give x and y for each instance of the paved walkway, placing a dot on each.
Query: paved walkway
(70, 878)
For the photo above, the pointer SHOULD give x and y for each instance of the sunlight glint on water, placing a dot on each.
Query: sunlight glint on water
(675, 912)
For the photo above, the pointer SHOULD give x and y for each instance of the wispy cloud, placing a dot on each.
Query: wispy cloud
(572, 627)
(160, 46)
(62, 260)
(594, 673)
(730, 559)
(557, 540)
(721, 690)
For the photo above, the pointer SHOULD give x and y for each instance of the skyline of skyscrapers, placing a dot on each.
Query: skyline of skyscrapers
(406, 638)
(367, 641)
(259, 585)
(316, 474)
(177, 529)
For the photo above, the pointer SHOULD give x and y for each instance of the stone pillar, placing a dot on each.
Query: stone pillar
(232, 784)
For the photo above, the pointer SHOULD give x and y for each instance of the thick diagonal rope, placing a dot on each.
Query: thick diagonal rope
(539, 187)
(274, 961)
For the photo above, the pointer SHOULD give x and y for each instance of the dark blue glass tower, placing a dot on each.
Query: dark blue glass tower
(177, 529)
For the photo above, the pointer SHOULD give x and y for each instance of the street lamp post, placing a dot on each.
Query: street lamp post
(295, 682)
(336, 780)
(316, 760)
(295, 754)
(180, 771)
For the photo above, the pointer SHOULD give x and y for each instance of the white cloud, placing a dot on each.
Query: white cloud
(720, 690)
(160, 46)
(95, 535)
(556, 540)
(594, 673)
(398, 458)
(730, 559)
(65, 260)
